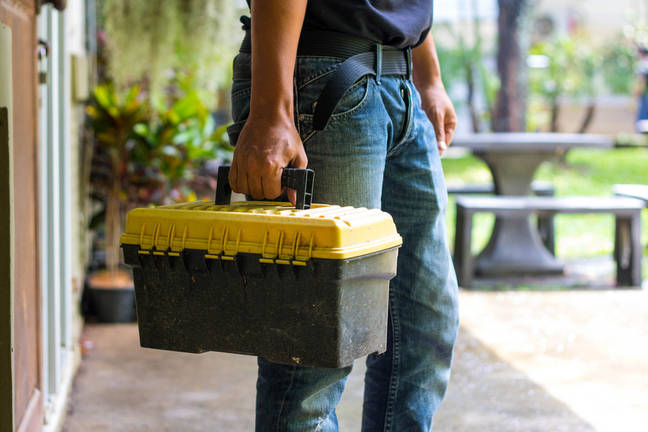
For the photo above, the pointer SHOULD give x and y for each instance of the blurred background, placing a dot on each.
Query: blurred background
(109, 105)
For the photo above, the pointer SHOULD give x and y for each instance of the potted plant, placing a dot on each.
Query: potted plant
(178, 142)
(145, 156)
(151, 145)
(113, 120)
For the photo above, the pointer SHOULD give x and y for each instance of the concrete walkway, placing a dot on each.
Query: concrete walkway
(525, 361)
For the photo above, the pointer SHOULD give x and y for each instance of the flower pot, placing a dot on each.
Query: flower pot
(112, 296)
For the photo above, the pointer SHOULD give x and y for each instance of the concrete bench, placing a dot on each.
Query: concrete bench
(538, 187)
(627, 211)
(636, 191)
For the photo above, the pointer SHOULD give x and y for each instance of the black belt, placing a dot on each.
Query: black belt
(361, 57)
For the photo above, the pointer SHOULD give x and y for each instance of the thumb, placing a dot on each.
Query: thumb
(292, 196)
(439, 129)
(299, 161)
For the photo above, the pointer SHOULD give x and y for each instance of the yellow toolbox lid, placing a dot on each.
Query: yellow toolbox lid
(273, 230)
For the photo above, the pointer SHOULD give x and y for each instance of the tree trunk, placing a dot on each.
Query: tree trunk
(510, 107)
(589, 116)
(555, 114)
(113, 219)
(470, 98)
(470, 68)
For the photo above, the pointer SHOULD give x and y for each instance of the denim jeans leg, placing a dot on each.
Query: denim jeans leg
(404, 386)
(293, 398)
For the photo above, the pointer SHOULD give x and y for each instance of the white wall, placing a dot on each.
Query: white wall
(62, 220)
(602, 19)
(457, 10)
(75, 45)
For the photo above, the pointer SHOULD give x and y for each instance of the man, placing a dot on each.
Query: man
(327, 84)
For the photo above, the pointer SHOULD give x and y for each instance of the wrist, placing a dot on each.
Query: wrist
(428, 82)
(273, 110)
(271, 115)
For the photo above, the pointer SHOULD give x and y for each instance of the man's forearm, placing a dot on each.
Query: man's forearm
(269, 141)
(426, 70)
(434, 99)
(276, 25)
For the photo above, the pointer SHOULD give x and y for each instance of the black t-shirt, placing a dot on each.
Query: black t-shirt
(399, 23)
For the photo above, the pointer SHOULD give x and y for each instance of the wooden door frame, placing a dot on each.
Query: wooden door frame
(6, 237)
(6, 269)
(21, 398)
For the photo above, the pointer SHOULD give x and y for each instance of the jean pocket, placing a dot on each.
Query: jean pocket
(351, 102)
(310, 90)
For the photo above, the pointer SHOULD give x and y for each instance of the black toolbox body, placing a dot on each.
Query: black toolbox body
(286, 295)
(324, 314)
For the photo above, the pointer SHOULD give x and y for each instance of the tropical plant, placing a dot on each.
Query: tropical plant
(149, 41)
(144, 156)
(113, 119)
(177, 143)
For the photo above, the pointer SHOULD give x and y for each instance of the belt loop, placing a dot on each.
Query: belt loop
(408, 56)
(379, 53)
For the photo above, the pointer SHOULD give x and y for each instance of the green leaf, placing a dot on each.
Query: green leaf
(187, 106)
(184, 137)
(141, 129)
(131, 96)
(102, 94)
(170, 151)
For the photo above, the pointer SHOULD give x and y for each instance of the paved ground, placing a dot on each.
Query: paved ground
(525, 361)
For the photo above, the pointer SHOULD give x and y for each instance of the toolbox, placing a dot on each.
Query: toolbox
(302, 284)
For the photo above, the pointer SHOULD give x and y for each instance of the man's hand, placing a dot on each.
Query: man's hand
(263, 149)
(437, 105)
(434, 99)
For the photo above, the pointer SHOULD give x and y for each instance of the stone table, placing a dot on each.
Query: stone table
(513, 159)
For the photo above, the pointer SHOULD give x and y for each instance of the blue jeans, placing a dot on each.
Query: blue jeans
(377, 151)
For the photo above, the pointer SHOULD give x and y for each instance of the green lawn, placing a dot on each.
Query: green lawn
(584, 172)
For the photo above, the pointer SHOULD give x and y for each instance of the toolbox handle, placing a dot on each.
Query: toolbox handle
(299, 179)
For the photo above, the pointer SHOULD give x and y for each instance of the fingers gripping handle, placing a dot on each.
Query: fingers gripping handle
(299, 179)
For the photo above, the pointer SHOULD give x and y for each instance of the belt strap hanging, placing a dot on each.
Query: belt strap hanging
(393, 62)
(362, 58)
